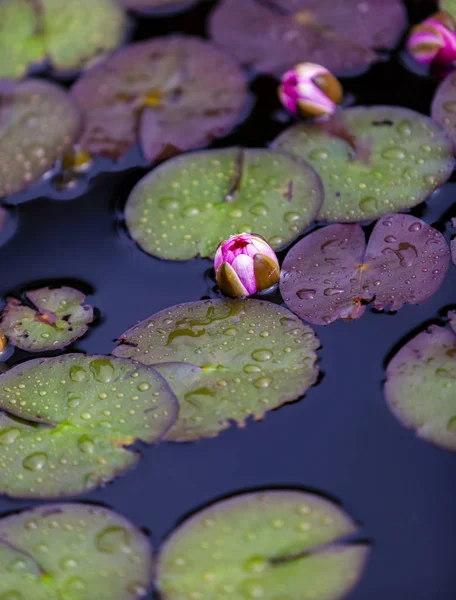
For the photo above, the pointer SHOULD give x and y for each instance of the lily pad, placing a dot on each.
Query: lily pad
(331, 274)
(158, 6)
(73, 552)
(188, 205)
(448, 6)
(163, 91)
(421, 385)
(48, 319)
(59, 31)
(38, 122)
(69, 419)
(226, 360)
(372, 160)
(273, 36)
(444, 106)
(270, 544)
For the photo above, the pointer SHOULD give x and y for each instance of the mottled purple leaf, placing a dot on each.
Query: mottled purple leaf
(444, 106)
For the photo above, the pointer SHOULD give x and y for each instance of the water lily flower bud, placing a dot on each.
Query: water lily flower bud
(310, 90)
(434, 40)
(245, 264)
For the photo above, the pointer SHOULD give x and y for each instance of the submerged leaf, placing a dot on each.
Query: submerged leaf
(73, 551)
(69, 419)
(372, 160)
(178, 92)
(331, 274)
(56, 318)
(272, 36)
(444, 106)
(208, 196)
(225, 360)
(269, 544)
(38, 122)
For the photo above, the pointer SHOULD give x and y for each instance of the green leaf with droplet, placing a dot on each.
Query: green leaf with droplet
(189, 204)
(270, 545)
(69, 419)
(372, 160)
(56, 318)
(72, 552)
(226, 360)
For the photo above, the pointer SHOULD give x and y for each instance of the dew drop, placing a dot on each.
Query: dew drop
(368, 204)
(333, 291)
(9, 436)
(404, 127)
(263, 382)
(252, 369)
(112, 540)
(143, 387)
(261, 355)
(68, 563)
(86, 445)
(73, 401)
(168, 203)
(102, 370)
(35, 462)
(318, 154)
(291, 217)
(451, 425)
(78, 374)
(252, 588)
(306, 294)
(256, 564)
(190, 211)
(394, 152)
(415, 226)
(259, 210)
(230, 331)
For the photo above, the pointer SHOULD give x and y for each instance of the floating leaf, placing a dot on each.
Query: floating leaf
(57, 30)
(421, 385)
(331, 274)
(37, 123)
(158, 6)
(73, 551)
(444, 106)
(208, 196)
(273, 36)
(270, 544)
(241, 358)
(372, 160)
(70, 418)
(165, 89)
(448, 6)
(56, 318)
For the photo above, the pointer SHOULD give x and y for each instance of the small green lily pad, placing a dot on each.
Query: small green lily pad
(188, 205)
(38, 122)
(73, 552)
(444, 105)
(57, 30)
(56, 318)
(372, 160)
(270, 545)
(69, 419)
(226, 360)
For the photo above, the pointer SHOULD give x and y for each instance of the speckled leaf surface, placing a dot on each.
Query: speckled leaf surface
(421, 385)
(372, 160)
(444, 105)
(55, 319)
(331, 274)
(163, 90)
(191, 203)
(76, 416)
(273, 36)
(242, 358)
(73, 552)
(38, 122)
(158, 6)
(270, 544)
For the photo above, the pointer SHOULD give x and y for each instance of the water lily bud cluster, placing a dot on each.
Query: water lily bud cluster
(434, 40)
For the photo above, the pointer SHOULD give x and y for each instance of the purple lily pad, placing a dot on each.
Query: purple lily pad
(331, 274)
(48, 319)
(444, 106)
(38, 122)
(272, 36)
(163, 91)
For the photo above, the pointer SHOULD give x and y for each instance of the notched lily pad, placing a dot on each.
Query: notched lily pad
(47, 319)
(38, 122)
(188, 205)
(331, 274)
(372, 160)
(163, 91)
(158, 7)
(33, 31)
(444, 106)
(270, 544)
(226, 360)
(273, 36)
(421, 385)
(69, 419)
(73, 551)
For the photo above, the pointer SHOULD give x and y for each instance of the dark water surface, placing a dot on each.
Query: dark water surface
(341, 440)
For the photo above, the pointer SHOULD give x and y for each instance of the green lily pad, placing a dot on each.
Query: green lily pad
(272, 544)
(38, 122)
(226, 360)
(57, 30)
(56, 318)
(372, 160)
(421, 385)
(69, 419)
(72, 552)
(448, 6)
(444, 105)
(188, 205)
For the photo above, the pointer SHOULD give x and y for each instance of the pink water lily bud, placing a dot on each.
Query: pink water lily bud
(434, 40)
(245, 264)
(310, 90)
